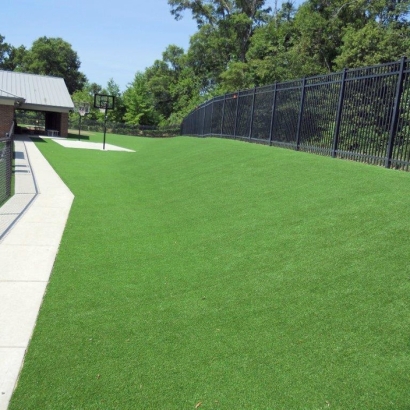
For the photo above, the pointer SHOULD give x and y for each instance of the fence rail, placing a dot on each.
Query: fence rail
(360, 114)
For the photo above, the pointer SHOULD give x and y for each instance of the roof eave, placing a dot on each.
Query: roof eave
(12, 100)
(49, 108)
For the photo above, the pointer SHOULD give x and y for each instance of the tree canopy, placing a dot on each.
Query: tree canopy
(47, 56)
(239, 44)
(54, 56)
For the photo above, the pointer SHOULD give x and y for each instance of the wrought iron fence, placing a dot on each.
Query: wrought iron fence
(6, 155)
(360, 114)
(125, 129)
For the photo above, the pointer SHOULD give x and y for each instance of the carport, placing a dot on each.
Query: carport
(35, 93)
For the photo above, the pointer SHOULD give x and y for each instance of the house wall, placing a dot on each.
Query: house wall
(6, 119)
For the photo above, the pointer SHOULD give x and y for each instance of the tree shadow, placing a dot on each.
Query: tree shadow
(78, 137)
(37, 139)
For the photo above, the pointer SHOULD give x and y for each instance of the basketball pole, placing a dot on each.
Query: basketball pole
(105, 124)
(79, 127)
(104, 103)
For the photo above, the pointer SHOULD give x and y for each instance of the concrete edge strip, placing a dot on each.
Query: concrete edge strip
(10, 227)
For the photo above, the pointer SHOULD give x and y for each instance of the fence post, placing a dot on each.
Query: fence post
(212, 114)
(9, 165)
(252, 112)
(223, 115)
(273, 114)
(395, 115)
(196, 122)
(339, 114)
(236, 114)
(203, 121)
(302, 103)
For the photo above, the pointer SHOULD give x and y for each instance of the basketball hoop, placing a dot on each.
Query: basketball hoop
(104, 102)
(82, 108)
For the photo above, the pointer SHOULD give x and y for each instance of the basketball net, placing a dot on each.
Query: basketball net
(102, 107)
(82, 108)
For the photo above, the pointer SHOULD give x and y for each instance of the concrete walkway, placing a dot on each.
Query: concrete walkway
(70, 143)
(31, 226)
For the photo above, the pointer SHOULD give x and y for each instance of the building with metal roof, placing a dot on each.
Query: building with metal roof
(37, 93)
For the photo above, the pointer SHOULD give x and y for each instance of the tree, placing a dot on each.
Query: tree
(373, 44)
(386, 12)
(213, 11)
(208, 56)
(15, 58)
(234, 19)
(117, 114)
(240, 44)
(86, 94)
(270, 53)
(162, 77)
(4, 52)
(382, 36)
(55, 57)
(139, 103)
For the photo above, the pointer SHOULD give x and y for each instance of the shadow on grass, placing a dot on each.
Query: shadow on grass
(37, 139)
(78, 137)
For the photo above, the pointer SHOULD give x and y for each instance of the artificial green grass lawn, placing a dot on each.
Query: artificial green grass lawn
(216, 274)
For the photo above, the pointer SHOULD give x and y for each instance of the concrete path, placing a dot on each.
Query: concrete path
(31, 226)
(70, 143)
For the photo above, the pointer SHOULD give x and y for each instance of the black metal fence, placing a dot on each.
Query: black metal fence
(360, 114)
(6, 153)
(125, 129)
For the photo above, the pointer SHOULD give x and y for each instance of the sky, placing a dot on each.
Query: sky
(114, 39)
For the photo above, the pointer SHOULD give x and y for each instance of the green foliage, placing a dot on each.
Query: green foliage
(268, 54)
(11, 58)
(239, 44)
(5, 49)
(139, 103)
(236, 77)
(16, 57)
(208, 55)
(55, 57)
(214, 11)
(373, 44)
(172, 85)
(118, 113)
(86, 95)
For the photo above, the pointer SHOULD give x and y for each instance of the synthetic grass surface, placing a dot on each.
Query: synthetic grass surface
(215, 274)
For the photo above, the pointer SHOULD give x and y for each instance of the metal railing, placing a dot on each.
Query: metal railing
(6, 161)
(360, 114)
(125, 129)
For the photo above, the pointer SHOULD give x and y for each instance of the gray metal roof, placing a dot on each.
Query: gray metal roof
(39, 92)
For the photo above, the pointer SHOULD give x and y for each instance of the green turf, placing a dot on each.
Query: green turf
(218, 274)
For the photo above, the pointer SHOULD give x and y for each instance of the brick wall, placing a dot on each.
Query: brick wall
(64, 125)
(6, 119)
